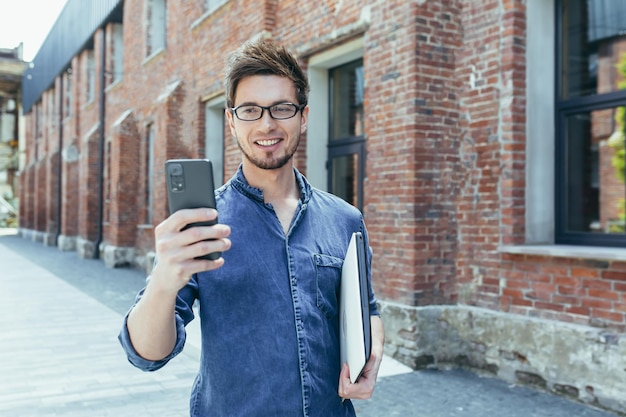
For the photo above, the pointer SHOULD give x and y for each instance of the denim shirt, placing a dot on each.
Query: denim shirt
(269, 316)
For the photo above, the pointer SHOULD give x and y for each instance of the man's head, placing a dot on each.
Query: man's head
(264, 57)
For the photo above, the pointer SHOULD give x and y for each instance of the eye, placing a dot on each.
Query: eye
(249, 110)
(283, 109)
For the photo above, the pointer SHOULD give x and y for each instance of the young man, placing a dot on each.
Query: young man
(268, 306)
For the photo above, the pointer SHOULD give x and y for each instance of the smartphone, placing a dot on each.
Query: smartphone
(190, 185)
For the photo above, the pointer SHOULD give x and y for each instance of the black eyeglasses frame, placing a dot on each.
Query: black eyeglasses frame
(297, 108)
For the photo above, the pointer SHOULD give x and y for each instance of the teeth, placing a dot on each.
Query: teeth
(268, 142)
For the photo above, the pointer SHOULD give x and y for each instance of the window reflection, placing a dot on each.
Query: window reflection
(592, 78)
(347, 100)
(345, 175)
(595, 171)
(592, 42)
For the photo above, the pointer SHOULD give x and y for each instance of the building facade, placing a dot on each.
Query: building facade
(482, 140)
(11, 68)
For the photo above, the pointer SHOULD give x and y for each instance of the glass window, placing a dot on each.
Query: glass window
(68, 93)
(156, 26)
(90, 76)
(149, 174)
(210, 5)
(347, 100)
(118, 52)
(346, 148)
(215, 121)
(591, 99)
(345, 179)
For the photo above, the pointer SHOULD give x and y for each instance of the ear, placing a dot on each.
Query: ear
(231, 122)
(304, 119)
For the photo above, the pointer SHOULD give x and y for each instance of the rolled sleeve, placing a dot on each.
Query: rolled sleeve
(183, 315)
(144, 364)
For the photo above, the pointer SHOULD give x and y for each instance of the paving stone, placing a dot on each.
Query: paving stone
(59, 356)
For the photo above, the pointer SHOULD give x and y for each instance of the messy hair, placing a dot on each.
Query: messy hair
(264, 57)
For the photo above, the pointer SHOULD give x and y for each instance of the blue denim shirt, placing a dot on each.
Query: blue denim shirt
(269, 319)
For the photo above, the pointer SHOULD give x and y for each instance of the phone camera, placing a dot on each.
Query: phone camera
(177, 180)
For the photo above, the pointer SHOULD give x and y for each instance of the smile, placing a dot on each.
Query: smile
(267, 142)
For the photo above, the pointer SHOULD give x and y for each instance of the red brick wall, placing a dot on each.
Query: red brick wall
(569, 290)
(412, 124)
(445, 102)
(491, 207)
(124, 190)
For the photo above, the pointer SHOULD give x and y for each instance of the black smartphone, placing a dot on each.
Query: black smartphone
(190, 185)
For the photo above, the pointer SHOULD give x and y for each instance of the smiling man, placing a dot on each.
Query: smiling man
(269, 305)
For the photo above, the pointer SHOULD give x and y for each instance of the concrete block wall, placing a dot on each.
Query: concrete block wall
(583, 363)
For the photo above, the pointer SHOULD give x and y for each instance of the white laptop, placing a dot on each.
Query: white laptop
(354, 315)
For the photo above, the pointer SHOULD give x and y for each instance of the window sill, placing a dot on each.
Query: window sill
(567, 251)
(114, 84)
(206, 14)
(152, 57)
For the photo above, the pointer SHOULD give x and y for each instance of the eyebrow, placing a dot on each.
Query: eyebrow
(252, 103)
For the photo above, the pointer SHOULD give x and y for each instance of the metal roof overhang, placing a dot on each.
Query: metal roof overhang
(71, 33)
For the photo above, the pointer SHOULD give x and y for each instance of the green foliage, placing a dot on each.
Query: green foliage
(620, 225)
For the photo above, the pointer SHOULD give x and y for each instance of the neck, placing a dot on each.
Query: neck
(276, 184)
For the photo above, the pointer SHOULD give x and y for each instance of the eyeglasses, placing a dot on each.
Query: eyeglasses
(282, 111)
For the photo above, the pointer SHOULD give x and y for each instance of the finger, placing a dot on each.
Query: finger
(198, 234)
(344, 381)
(180, 219)
(205, 247)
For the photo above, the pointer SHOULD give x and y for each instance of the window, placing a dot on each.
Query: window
(215, 120)
(90, 76)
(210, 5)
(68, 93)
(8, 115)
(346, 147)
(336, 158)
(149, 174)
(156, 32)
(590, 123)
(108, 184)
(118, 52)
(51, 94)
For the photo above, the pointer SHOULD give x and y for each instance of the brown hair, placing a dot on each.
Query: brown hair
(264, 57)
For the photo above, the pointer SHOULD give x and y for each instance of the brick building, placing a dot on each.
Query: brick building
(11, 68)
(473, 135)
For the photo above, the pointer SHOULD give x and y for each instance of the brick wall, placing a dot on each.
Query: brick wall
(445, 100)
(413, 135)
(564, 289)
(491, 70)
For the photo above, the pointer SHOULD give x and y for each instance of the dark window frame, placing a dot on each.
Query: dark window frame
(565, 107)
(344, 146)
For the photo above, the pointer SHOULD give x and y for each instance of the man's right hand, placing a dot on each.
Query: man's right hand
(177, 248)
(151, 323)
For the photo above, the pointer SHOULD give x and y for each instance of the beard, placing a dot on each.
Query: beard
(270, 161)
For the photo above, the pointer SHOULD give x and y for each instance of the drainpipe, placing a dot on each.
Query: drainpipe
(60, 167)
(96, 252)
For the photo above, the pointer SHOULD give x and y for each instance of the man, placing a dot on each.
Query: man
(268, 306)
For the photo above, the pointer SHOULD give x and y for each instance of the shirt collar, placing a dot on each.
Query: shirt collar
(240, 183)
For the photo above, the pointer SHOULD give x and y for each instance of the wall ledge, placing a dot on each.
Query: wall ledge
(567, 251)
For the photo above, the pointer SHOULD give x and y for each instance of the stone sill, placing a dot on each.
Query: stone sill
(567, 251)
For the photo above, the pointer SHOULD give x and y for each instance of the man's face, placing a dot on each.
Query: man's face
(267, 143)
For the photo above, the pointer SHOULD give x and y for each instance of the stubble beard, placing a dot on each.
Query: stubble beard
(270, 161)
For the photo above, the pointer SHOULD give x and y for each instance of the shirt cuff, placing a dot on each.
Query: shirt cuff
(146, 365)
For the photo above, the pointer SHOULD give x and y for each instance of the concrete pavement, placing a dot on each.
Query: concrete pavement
(59, 319)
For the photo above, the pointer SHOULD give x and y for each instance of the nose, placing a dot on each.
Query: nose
(267, 120)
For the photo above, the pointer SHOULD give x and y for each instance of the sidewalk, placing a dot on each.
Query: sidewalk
(59, 356)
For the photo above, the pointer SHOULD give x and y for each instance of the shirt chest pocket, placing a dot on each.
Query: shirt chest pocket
(328, 278)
